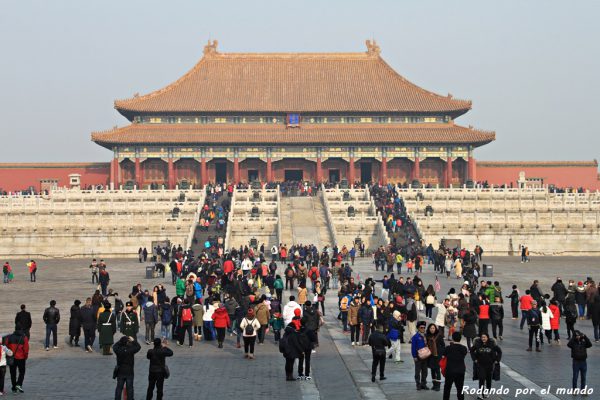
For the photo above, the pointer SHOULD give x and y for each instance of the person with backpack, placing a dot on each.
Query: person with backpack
(186, 318)
(289, 277)
(18, 344)
(579, 344)
(166, 318)
(314, 275)
(249, 327)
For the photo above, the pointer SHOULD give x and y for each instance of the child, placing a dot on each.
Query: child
(409, 265)
(276, 323)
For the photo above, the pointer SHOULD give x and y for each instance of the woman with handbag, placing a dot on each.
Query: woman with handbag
(485, 354)
(420, 353)
(435, 343)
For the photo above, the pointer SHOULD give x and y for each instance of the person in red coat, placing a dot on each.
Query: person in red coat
(554, 322)
(222, 322)
(18, 343)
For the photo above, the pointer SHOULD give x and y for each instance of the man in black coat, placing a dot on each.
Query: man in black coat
(158, 371)
(455, 355)
(579, 344)
(560, 293)
(379, 344)
(23, 319)
(51, 318)
(125, 349)
(88, 323)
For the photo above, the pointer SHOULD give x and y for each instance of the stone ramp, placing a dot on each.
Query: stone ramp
(303, 221)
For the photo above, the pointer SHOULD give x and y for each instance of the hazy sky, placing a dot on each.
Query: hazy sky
(531, 68)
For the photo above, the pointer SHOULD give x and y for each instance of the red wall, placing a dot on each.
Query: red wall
(19, 176)
(561, 174)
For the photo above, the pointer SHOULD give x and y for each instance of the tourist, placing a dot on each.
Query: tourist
(420, 353)
(560, 293)
(23, 319)
(51, 319)
(436, 345)
(306, 346)
(546, 315)
(514, 302)
(186, 318)
(125, 349)
(94, 269)
(579, 344)
(158, 370)
(104, 280)
(554, 321)
(395, 331)
(150, 320)
(486, 355)
(580, 299)
(302, 294)
(107, 327)
(32, 267)
(278, 286)
(379, 344)
(354, 320)
(7, 271)
(290, 347)
(4, 353)
(198, 311)
(469, 321)
(310, 322)
(88, 323)
(525, 301)
(222, 323)
(496, 317)
(18, 344)
(75, 323)
(366, 317)
(166, 318)
(455, 354)
(533, 322)
(289, 310)
(484, 315)
(570, 313)
(249, 327)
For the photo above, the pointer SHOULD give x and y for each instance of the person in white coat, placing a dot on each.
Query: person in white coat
(249, 327)
(288, 310)
(440, 317)
(546, 317)
(4, 352)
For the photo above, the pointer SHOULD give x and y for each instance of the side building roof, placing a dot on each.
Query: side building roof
(291, 82)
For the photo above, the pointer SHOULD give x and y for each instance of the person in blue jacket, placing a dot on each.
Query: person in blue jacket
(198, 289)
(418, 342)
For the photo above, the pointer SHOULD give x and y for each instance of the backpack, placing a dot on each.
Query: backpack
(249, 330)
(290, 273)
(430, 300)
(186, 315)
(313, 275)
(344, 304)
(283, 343)
(166, 316)
(189, 290)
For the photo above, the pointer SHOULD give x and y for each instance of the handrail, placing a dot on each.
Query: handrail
(199, 205)
(278, 215)
(228, 230)
(328, 216)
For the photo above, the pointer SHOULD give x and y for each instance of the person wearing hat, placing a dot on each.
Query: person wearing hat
(158, 370)
(249, 327)
(130, 323)
(420, 356)
(394, 335)
(125, 350)
(75, 323)
(107, 327)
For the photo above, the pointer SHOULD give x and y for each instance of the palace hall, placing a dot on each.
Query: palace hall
(323, 117)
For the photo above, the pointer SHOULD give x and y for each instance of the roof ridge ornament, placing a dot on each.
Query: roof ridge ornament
(373, 49)
(211, 48)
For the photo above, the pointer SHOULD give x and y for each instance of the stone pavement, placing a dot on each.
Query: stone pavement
(339, 370)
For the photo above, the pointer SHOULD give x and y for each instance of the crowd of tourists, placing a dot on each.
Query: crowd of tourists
(239, 295)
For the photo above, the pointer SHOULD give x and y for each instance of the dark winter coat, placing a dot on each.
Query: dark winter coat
(75, 321)
(559, 290)
(88, 317)
(125, 354)
(469, 329)
(23, 318)
(107, 327)
(294, 347)
(486, 354)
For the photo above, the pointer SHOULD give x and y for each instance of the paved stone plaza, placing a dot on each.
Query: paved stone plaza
(339, 370)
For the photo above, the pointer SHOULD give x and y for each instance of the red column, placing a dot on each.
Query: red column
(351, 172)
(269, 170)
(203, 172)
(138, 173)
(416, 172)
(383, 175)
(236, 171)
(471, 169)
(171, 179)
(448, 171)
(319, 171)
(113, 176)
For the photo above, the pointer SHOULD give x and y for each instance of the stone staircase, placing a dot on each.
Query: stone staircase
(303, 221)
